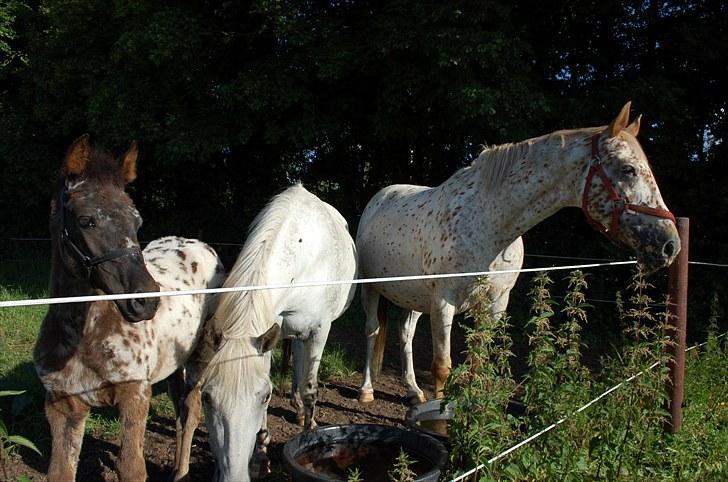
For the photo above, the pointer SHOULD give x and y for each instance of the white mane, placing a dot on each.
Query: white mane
(496, 162)
(244, 315)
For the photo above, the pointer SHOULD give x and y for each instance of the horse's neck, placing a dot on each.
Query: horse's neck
(64, 284)
(546, 178)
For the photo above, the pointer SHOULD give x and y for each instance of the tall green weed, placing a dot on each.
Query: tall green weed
(620, 437)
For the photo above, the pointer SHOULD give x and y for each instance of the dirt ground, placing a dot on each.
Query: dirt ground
(337, 404)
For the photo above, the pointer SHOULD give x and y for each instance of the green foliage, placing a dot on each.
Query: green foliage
(401, 472)
(479, 389)
(9, 443)
(355, 475)
(620, 437)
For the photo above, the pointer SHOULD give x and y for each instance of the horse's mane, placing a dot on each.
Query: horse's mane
(496, 162)
(244, 315)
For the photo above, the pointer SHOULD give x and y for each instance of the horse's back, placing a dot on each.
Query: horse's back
(181, 264)
(178, 262)
(392, 240)
(315, 245)
(392, 203)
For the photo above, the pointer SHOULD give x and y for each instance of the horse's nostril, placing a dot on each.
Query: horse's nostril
(669, 249)
(139, 305)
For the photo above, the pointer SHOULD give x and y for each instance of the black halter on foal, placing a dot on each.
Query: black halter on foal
(89, 262)
(621, 203)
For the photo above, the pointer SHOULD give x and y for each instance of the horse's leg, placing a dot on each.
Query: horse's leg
(133, 403)
(370, 304)
(502, 284)
(406, 334)
(313, 350)
(499, 300)
(259, 465)
(297, 380)
(191, 412)
(67, 418)
(441, 316)
(176, 389)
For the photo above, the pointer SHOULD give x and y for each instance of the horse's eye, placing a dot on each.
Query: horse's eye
(206, 398)
(629, 170)
(267, 398)
(86, 222)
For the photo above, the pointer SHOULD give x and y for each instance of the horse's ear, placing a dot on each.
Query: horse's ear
(269, 339)
(77, 156)
(634, 127)
(128, 166)
(619, 122)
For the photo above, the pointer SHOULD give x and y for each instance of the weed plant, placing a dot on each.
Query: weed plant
(620, 437)
(479, 389)
(9, 442)
(402, 471)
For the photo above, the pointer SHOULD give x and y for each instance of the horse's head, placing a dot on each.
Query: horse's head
(236, 389)
(621, 198)
(94, 224)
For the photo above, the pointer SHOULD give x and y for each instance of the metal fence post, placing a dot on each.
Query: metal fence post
(678, 295)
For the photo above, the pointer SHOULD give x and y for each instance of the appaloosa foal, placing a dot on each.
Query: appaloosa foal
(110, 352)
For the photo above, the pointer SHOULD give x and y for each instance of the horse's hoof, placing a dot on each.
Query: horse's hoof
(260, 470)
(366, 397)
(259, 466)
(416, 399)
(184, 478)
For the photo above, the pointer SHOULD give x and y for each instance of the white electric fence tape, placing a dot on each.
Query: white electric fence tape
(125, 296)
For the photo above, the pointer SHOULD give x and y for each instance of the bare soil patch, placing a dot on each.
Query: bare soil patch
(338, 404)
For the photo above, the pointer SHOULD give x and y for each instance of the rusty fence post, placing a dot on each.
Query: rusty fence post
(678, 294)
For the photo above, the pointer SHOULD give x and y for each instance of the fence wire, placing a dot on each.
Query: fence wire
(157, 294)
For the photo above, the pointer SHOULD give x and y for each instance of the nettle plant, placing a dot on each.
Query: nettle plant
(609, 441)
(480, 388)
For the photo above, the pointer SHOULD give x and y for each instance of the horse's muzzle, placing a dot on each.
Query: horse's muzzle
(658, 246)
(138, 309)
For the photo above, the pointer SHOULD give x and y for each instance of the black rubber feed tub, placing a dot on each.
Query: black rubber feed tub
(329, 454)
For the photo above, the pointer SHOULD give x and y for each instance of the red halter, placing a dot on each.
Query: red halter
(620, 204)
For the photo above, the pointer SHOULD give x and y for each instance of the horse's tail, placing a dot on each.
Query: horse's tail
(378, 353)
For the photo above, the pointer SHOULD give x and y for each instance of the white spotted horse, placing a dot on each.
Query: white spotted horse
(474, 220)
(102, 353)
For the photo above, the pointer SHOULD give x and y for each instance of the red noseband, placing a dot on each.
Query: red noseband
(620, 204)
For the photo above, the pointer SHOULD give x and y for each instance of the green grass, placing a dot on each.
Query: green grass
(698, 451)
(336, 363)
(18, 330)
